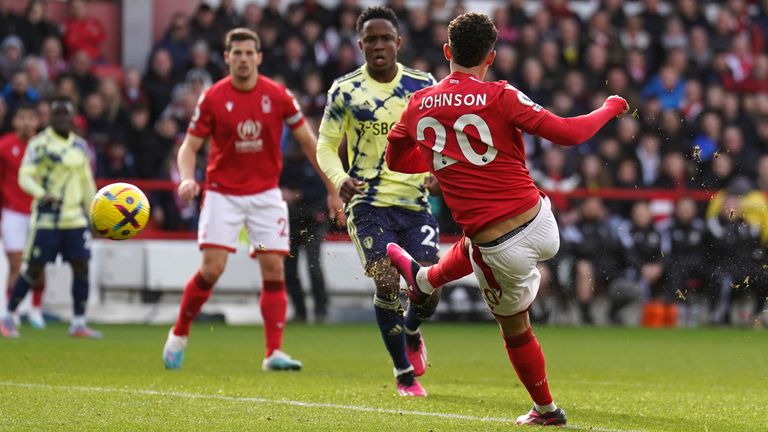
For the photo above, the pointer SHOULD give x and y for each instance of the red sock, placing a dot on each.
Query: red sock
(528, 360)
(273, 303)
(453, 265)
(37, 294)
(196, 293)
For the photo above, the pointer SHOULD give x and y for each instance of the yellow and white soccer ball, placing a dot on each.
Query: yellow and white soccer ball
(119, 211)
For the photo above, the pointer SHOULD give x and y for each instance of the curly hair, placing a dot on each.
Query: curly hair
(471, 37)
(376, 12)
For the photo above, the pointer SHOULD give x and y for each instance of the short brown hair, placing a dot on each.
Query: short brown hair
(471, 37)
(241, 34)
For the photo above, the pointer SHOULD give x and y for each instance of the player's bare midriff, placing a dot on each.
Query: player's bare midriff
(492, 232)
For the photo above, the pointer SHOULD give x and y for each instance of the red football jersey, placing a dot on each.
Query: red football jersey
(245, 129)
(469, 135)
(11, 152)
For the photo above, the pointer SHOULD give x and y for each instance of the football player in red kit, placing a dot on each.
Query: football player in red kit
(468, 133)
(17, 204)
(243, 114)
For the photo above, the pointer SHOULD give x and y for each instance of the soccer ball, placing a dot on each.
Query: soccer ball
(119, 211)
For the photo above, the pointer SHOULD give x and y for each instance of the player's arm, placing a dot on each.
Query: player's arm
(186, 159)
(199, 129)
(308, 142)
(332, 129)
(570, 131)
(403, 154)
(28, 178)
(87, 185)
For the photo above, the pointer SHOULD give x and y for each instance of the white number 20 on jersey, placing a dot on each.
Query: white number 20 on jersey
(441, 161)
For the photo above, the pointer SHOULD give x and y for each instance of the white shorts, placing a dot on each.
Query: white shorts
(507, 273)
(264, 215)
(14, 227)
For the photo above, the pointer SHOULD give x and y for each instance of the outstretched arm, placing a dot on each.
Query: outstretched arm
(571, 131)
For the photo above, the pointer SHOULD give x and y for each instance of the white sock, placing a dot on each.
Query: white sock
(411, 332)
(78, 321)
(422, 281)
(545, 408)
(399, 372)
(35, 311)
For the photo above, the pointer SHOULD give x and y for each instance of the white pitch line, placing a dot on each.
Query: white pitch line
(259, 400)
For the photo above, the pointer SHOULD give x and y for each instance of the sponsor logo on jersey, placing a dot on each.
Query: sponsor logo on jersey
(249, 132)
(376, 127)
(266, 104)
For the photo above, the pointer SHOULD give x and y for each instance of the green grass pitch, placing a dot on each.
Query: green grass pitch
(607, 379)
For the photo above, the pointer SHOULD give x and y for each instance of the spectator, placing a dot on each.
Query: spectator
(53, 58)
(668, 87)
(82, 72)
(318, 50)
(642, 253)
(176, 42)
(553, 177)
(691, 15)
(593, 249)
(686, 260)
(11, 56)
(227, 17)
(305, 195)
(158, 82)
(36, 28)
(648, 156)
(34, 67)
(203, 27)
(132, 92)
(252, 16)
(201, 58)
(10, 23)
(115, 113)
(737, 257)
(19, 91)
(83, 33)
(592, 173)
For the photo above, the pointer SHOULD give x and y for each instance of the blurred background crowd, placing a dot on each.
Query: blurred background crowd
(694, 72)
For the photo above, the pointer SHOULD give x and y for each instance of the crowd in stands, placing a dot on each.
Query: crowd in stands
(696, 72)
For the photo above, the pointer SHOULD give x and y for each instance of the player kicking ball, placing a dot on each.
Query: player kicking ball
(243, 114)
(468, 134)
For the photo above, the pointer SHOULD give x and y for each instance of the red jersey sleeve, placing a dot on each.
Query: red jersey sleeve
(291, 110)
(520, 110)
(403, 154)
(202, 119)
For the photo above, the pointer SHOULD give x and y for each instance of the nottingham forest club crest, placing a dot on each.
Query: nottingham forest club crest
(249, 132)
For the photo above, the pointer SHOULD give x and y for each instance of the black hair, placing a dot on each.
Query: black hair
(376, 12)
(471, 37)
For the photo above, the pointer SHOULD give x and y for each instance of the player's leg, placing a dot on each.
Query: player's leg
(509, 280)
(371, 229)
(221, 219)
(75, 248)
(36, 319)
(418, 232)
(41, 248)
(268, 228)
(452, 265)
